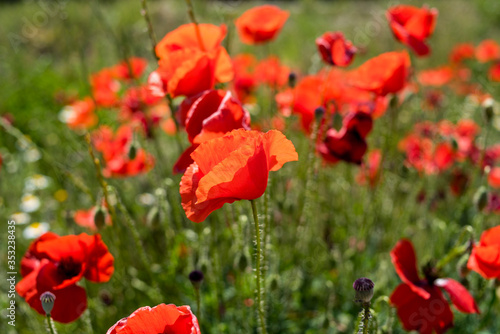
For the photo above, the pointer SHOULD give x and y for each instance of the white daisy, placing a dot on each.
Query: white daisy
(35, 230)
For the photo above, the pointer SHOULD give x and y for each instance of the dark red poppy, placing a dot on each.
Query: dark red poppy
(412, 26)
(485, 256)
(384, 74)
(208, 115)
(116, 151)
(348, 144)
(335, 49)
(161, 319)
(53, 263)
(260, 24)
(230, 168)
(191, 60)
(420, 303)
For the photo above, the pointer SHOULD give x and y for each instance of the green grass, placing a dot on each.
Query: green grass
(311, 266)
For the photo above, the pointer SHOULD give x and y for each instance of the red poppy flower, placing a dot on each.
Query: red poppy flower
(459, 182)
(80, 114)
(209, 115)
(435, 77)
(233, 167)
(161, 319)
(348, 144)
(494, 72)
(244, 82)
(412, 26)
(384, 74)
(335, 49)
(190, 62)
(260, 24)
(494, 177)
(485, 256)
(105, 88)
(115, 150)
(419, 302)
(53, 263)
(132, 68)
(270, 71)
(488, 50)
(370, 170)
(461, 52)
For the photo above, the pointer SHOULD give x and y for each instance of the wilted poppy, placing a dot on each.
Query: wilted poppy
(191, 60)
(412, 26)
(384, 74)
(420, 303)
(335, 49)
(348, 144)
(159, 319)
(260, 24)
(233, 167)
(53, 263)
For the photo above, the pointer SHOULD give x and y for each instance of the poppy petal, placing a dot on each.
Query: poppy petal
(459, 295)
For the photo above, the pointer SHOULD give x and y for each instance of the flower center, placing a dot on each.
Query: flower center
(69, 268)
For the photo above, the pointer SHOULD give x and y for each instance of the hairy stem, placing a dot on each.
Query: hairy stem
(258, 272)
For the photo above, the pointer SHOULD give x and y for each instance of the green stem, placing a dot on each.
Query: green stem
(151, 32)
(366, 317)
(50, 325)
(258, 272)
(198, 303)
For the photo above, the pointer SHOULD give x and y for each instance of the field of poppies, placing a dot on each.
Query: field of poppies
(292, 167)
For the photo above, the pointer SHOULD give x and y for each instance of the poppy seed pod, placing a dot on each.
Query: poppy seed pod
(196, 277)
(481, 198)
(47, 298)
(364, 290)
(318, 113)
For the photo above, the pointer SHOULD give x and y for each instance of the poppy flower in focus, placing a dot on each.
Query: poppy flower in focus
(335, 49)
(260, 24)
(488, 50)
(159, 319)
(190, 62)
(485, 256)
(435, 77)
(412, 26)
(209, 115)
(420, 303)
(348, 144)
(384, 74)
(233, 167)
(53, 263)
(116, 151)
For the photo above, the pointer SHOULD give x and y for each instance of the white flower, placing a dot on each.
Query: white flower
(20, 218)
(35, 230)
(36, 182)
(29, 203)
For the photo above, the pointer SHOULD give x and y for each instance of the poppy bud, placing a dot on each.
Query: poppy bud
(99, 217)
(196, 277)
(242, 262)
(393, 103)
(364, 290)
(481, 198)
(132, 151)
(454, 144)
(47, 298)
(274, 282)
(318, 113)
(153, 218)
(488, 109)
(292, 79)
